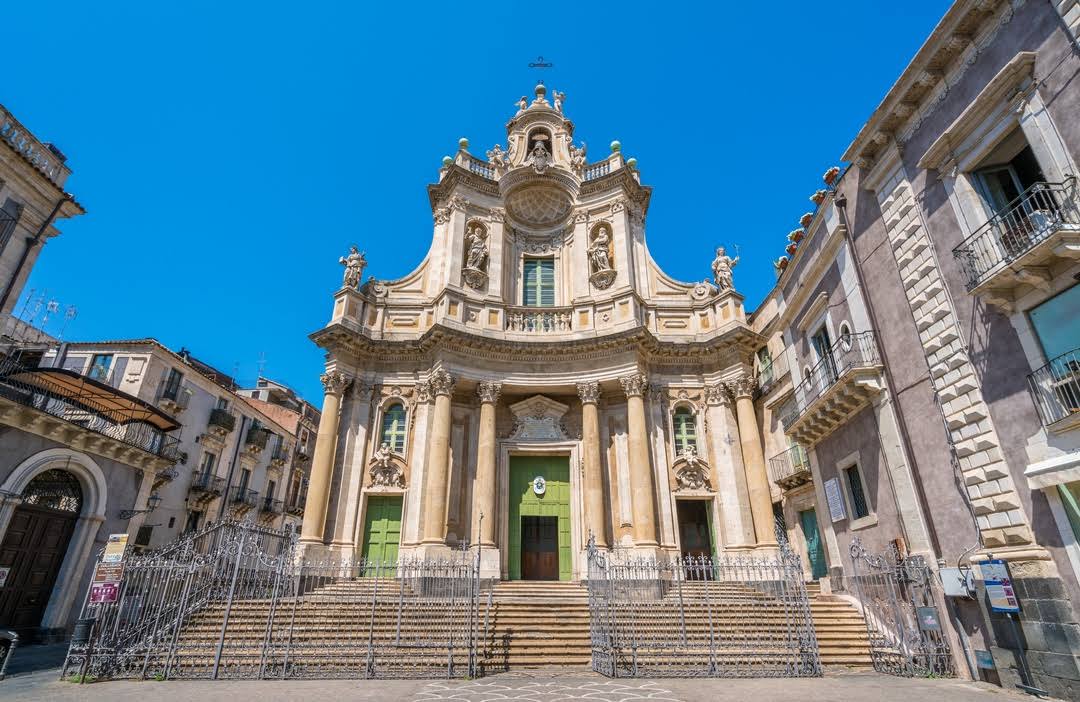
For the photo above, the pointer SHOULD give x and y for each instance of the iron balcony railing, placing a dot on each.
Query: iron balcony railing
(257, 437)
(1017, 228)
(539, 320)
(850, 352)
(785, 466)
(269, 505)
(207, 483)
(1056, 388)
(240, 495)
(77, 408)
(280, 453)
(772, 372)
(223, 419)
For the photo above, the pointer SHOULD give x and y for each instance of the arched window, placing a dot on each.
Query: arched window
(54, 489)
(685, 430)
(393, 427)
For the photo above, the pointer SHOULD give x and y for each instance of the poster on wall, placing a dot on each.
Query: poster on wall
(104, 592)
(999, 586)
(835, 500)
(115, 548)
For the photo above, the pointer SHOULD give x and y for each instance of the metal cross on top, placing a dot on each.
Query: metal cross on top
(541, 63)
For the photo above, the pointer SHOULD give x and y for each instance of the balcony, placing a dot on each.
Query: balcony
(221, 422)
(174, 398)
(269, 507)
(791, 468)
(1022, 243)
(1056, 390)
(85, 413)
(771, 373)
(539, 320)
(256, 439)
(280, 455)
(164, 476)
(205, 487)
(839, 386)
(242, 499)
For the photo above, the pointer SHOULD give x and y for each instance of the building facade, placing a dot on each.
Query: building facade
(921, 354)
(538, 381)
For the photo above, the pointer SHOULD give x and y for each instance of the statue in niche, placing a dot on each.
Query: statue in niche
(603, 273)
(540, 158)
(722, 267)
(476, 256)
(354, 268)
(577, 157)
(497, 157)
(384, 472)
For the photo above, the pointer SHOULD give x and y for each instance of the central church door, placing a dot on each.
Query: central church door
(539, 548)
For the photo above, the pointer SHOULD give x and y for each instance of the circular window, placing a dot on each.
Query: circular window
(845, 335)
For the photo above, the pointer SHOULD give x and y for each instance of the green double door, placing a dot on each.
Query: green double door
(382, 529)
(539, 528)
(815, 550)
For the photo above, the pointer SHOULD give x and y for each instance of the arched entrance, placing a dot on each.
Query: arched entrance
(34, 546)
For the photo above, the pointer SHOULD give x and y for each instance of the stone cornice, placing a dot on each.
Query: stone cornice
(455, 175)
(621, 178)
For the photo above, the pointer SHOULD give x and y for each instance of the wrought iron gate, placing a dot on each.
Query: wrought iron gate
(724, 617)
(898, 601)
(235, 601)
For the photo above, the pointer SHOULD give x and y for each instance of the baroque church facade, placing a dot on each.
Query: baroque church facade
(537, 380)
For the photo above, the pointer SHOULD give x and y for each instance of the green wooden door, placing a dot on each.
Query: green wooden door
(554, 502)
(382, 529)
(814, 549)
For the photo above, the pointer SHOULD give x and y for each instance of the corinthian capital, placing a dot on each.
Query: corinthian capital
(334, 383)
(489, 392)
(743, 386)
(589, 392)
(717, 394)
(441, 382)
(634, 385)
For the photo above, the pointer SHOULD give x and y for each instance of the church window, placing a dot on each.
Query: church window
(539, 282)
(685, 430)
(393, 427)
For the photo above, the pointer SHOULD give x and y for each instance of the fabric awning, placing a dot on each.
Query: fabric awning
(93, 395)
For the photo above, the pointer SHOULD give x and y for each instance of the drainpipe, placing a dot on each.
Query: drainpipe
(31, 242)
(840, 200)
(232, 468)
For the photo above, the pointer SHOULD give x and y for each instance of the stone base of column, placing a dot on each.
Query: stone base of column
(312, 550)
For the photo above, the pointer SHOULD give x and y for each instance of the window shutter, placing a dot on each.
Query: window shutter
(547, 282)
(539, 282)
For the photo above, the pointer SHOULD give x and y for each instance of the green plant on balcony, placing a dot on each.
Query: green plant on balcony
(222, 420)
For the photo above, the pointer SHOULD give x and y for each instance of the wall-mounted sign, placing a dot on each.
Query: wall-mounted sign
(835, 500)
(109, 573)
(999, 586)
(928, 618)
(984, 659)
(4, 575)
(539, 485)
(115, 548)
(102, 593)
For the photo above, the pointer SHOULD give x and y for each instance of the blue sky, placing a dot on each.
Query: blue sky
(228, 153)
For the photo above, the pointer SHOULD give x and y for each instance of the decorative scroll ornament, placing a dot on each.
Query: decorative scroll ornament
(441, 382)
(602, 272)
(722, 267)
(334, 383)
(540, 158)
(354, 268)
(489, 391)
(691, 472)
(589, 392)
(385, 468)
(476, 256)
(376, 287)
(634, 385)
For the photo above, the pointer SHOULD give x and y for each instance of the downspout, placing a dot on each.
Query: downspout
(840, 200)
(232, 468)
(31, 242)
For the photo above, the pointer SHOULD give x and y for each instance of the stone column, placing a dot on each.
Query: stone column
(642, 488)
(595, 521)
(737, 524)
(757, 479)
(484, 483)
(322, 463)
(438, 459)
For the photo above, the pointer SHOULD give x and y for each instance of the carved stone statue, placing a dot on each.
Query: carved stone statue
(497, 157)
(354, 268)
(693, 474)
(577, 157)
(722, 267)
(384, 472)
(559, 98)
(540, 158)
(476, 256)
(599, 251)
(522, 103)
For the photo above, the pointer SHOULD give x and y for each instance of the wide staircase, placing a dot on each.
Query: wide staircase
(529, 624)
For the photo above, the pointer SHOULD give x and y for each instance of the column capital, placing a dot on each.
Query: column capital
(441, 382)
(334, 382)
(488, 391)
(743, 386)
(635, 384)
(589, 392)
(717, 394)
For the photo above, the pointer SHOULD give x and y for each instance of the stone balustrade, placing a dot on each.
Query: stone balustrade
(534, 320)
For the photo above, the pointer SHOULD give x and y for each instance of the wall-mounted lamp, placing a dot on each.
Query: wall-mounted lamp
(152, 503)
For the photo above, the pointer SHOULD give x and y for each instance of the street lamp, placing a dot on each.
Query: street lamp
(152, 503)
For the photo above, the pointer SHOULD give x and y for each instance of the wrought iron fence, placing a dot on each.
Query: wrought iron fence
(700, 616)
(897, 595)
(1014, 230)
(235, 601)
(849, 352)
(1056, 388)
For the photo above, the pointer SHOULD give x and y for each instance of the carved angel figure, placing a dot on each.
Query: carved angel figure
(382, 456)
(722, 267)
(599, 253)
(559, 98)
(689, 454)
(577, 157)
(522, 103)
(354, 267)
(497, 157)
(476, 240)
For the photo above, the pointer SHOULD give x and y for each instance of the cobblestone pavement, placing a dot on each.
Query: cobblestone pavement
(536, 686)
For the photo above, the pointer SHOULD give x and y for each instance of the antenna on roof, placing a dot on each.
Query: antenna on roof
(262, 363)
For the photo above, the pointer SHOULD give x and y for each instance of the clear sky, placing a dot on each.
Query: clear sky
(228, 153)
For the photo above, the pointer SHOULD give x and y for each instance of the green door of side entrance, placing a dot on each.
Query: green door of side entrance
(554, 501)
(814, 549)
(382, 529)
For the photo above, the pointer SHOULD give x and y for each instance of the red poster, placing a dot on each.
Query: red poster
(104, 592)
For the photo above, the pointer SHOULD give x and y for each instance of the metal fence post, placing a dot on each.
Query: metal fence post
(228, 603)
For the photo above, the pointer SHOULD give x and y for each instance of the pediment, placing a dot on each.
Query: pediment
(539, 418)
